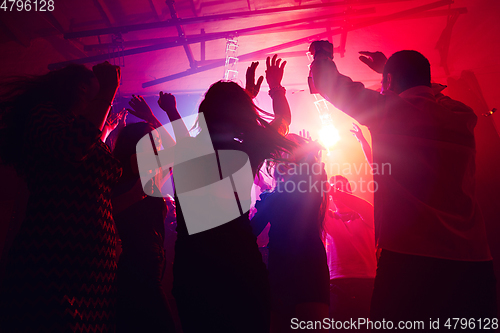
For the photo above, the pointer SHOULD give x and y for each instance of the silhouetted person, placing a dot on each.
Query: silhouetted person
(61, 268)
(435, 259)
(350, 248)
(298, 270)
(141, 302)
(220, 280)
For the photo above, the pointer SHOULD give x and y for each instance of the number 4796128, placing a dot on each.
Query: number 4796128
(27, 5)
(471, 323)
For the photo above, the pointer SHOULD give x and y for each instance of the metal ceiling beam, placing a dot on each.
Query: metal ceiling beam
(130, 43)
(258, 54)
(192, 40)
(202, 47)
(193, 8)
(283, 55)
(244, 57)
(219, 17)
(246, 31)
(181, 33)
(431, 13)
(153, 10)
(51, 19)
(11, 29)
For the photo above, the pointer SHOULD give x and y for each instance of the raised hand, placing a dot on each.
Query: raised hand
(374, 60)
(123, 116)
(367, 150)
(167, 102)
(356, 131)
(251, 87)
(112, 122)
(107, 75)
(274, 72)
(140, 108)
(437, 88)
(114, 119)
(305, 134)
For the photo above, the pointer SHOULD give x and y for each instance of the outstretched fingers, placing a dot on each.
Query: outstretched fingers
(259, 82)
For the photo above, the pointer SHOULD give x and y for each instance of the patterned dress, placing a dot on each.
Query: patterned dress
(61, 267)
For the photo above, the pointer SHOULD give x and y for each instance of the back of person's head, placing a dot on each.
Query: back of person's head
(126, 145)
(62, 88)
(231, 116)
(408, 69)
(341, 183)
(227, 106)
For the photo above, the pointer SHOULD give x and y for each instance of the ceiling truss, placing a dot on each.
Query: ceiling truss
(344, 25)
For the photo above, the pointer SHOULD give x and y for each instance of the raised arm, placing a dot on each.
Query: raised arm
(142, 110)
(112, 123)
(367, 150)
(274, 75)
(251, 86)
(168, 104)
(374, 60)
(351, 97)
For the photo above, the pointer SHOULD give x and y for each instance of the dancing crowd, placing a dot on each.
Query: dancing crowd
(418, 253)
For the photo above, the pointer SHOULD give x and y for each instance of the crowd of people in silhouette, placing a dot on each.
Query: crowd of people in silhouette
(418, 252)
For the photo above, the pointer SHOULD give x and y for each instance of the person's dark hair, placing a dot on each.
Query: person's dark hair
(20, 95)
(126, 144)
(409, 69)
(229, 110)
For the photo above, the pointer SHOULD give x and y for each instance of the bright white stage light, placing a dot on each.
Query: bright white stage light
(328, 136)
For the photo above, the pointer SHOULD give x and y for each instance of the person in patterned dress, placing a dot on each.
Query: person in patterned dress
(61, 267)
